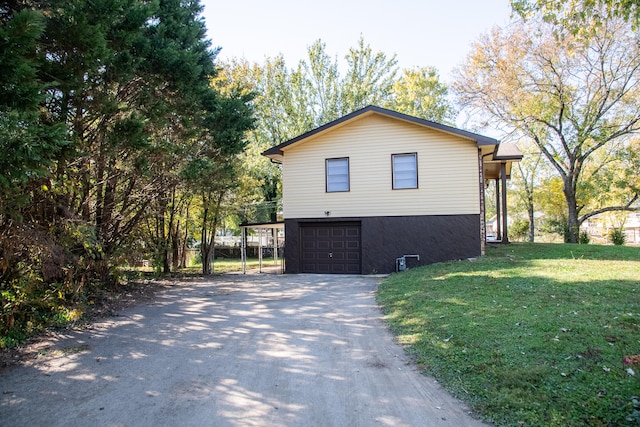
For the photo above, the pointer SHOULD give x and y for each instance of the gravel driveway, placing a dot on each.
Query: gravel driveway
(234, 350)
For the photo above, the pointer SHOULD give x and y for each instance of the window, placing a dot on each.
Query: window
(405, 170)
(337, 174)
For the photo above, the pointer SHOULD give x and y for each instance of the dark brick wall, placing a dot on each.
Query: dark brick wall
(435, 238)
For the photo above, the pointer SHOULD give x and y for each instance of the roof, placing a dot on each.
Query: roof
(276, 153)
(277, 224)
(507, 152)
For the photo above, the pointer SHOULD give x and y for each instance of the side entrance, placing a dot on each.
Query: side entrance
(333, 248)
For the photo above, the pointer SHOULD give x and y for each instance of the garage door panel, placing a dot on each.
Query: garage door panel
(309, 256)
(307, 232)
(338, 256)
(323, 232)
(337, 232)
(322, 244)
(338, 245)
(323, 268)
(309, 244)
(339, 269)
(330, 248)
(353, 232)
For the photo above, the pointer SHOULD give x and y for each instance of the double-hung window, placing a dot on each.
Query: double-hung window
(337, 172)
(405, 170)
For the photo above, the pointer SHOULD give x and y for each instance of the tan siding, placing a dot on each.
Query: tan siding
(447, 172)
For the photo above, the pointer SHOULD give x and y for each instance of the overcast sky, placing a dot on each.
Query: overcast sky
(422, 33)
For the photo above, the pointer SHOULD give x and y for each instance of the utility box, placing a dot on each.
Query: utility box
(401, 262)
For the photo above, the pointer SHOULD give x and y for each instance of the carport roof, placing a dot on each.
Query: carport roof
(264, 225)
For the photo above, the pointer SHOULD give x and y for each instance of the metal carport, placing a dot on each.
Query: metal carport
(265, 228)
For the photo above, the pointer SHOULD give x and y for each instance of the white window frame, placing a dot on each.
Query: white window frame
(404, 177)
(336, 170)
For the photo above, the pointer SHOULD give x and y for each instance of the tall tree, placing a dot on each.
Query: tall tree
(572, 96)
(419, 92)
(578, 16)
(322, 81)
(274, 103)
(369, 78)
(29, 141)
(103, 106)
(525, 181)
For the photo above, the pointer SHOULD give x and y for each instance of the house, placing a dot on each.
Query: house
(599, 227)
(632, 228)
(492, 227)
(376, 185)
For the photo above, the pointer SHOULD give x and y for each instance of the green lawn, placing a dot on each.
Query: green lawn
(230, 265)
(530, 334)
(220, 265)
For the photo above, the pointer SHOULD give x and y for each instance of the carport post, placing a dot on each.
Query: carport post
(274, 232)
(243, 249)
(260, 248)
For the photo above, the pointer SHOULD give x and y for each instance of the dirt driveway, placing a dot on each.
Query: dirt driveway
(236, 350)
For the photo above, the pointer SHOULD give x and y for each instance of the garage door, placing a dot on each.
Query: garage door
(330, 248)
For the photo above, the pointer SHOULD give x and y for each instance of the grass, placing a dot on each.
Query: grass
(219, 266)
(528, 335)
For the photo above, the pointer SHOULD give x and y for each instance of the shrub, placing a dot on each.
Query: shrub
(519, 230)
(617, 236)
(45, 281)
(584, 238)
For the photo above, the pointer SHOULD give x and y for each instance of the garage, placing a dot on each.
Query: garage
(330, 248)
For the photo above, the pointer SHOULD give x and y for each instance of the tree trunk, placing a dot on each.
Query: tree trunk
(208, 256)
(207, 243)
(204, 240)
(532, 227)
(183, 252)
(175, 246)
(164, 247)
(162, 250)
(573, 226)
(531, 211)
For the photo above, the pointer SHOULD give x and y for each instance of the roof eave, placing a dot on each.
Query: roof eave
(512, 153)
(276, 153)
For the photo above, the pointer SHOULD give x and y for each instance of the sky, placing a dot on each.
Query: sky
(421, 33)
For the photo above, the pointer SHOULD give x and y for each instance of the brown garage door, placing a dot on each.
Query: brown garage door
(330, 248)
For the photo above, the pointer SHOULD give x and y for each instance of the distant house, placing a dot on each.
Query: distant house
(366, 189)
(599, 226)
(632, 228)
(493, 227)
